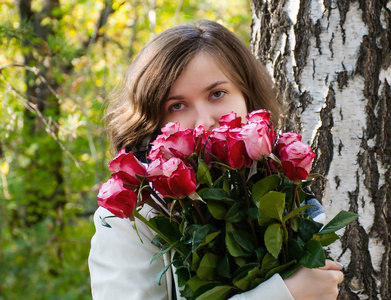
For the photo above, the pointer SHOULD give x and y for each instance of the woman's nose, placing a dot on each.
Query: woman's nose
(206, 118)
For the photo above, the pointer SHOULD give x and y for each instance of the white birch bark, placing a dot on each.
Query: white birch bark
(331, 62)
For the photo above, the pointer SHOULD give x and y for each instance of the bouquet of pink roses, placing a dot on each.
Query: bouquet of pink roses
(229, 203)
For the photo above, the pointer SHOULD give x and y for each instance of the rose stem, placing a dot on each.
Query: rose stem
(198, 211)
(269, 172)
(297, 197)
(163, 205)
(249, 220)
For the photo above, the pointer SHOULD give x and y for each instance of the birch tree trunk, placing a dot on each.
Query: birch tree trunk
(331, 62)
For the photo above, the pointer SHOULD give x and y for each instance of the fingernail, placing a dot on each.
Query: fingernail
(340, 265)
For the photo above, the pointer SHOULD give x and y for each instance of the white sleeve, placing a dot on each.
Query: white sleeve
(120, 264)
(272, 289)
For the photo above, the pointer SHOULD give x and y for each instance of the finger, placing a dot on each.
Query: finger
(338, 276)
(332, 265)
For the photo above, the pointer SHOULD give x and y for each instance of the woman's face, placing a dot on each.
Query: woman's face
(201, 95)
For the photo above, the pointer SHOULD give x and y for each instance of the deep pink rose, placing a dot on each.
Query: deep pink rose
(172, 177)
(258, 138)
(296, 159)
(127, 166)
(258, 115)
(237, 154)
(173, 142)
(218, 143)
(231, 120)
(203, 144)
(287, 138)
(117, 197)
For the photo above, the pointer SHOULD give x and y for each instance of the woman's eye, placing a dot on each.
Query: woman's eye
(217, 95)
(176, 106)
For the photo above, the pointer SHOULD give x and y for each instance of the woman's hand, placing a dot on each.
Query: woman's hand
(319, 284)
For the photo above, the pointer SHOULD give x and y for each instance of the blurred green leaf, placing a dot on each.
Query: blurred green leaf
(273, 239)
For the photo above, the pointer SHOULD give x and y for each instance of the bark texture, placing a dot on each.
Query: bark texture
(331, 62)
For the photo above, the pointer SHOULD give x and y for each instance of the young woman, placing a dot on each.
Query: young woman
(192, 74)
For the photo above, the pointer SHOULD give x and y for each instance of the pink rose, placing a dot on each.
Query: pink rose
(231, 120)
(173, 142)
(127, 166)
(172, 177)
(237, 154)
(258, 115)
(296, 159)
(287, 138)
(258, 139)
(117, 198)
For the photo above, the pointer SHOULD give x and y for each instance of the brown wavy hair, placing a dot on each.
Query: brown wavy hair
(134, 112)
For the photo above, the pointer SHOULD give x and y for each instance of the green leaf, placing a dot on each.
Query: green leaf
(342, 219)
(243, 270)
(164, 250)
(205, 288)
(207, 267)
(203, 173)
(314, 256)
(243, 241)
(232, 245)
(183, 274)
(161, 273)
(272, 205)
(296, 252)
(166, 228)
(269, 262)
(245, 279)
(273, 239)
(260, 253)
(195, 262)
(290, 270)
(264, 221)
(223, 268)
(203, 235)
(217, 209)
(253, 212)
(235, 214)
(264, 186)
(279, 269)
(104, 222)
(220, 292)
(326, 239)
(217, 194)
(186, 292)
(195, 283)
(296, 211)
(307, 228)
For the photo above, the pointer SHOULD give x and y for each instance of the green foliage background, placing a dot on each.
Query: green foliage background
(53, 151)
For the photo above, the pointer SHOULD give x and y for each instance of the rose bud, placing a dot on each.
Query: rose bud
(117, 198)
(173, 142)
(258, 138)
(296, 159)
(172, 178)
(287, 138)
(231, 120)
(127, 165)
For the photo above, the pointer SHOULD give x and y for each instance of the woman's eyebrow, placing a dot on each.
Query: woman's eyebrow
(175, 97)
(213, 85)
